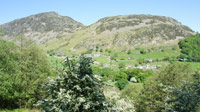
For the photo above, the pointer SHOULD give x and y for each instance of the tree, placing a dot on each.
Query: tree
(9, 83)
(121, 75)
(186, 98)
(142, 51)
(121, 83)
(154, 95)
(191, 47)
(75, 89)
(22, 71)
(129, 51)
(97, 48)
(35, 68)
(1, 32)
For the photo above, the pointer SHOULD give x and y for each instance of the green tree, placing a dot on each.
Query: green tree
(154, 94)
(1, 32)
(97, 48)
(129, 51)
(142, 51)
(186, 98)
(121, 83)
(76, 89)
(191, 47)
(35, 68)
(121, 75)
(22, 71)
(9, 70)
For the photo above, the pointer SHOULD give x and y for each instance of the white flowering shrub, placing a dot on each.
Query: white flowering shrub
(121, 104)
(75, 90)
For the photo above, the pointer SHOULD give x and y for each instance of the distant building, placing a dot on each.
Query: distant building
(129, 67)
(153, 67)
(88, 55)
(96, 55)
(149, 60)
(92, 55)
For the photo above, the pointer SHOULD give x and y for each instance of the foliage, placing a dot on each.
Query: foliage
(129, 51)
(97, 48)
(191, 47)
(132, 91)
(121, 83)
(121, 65)
(139, 74)
(9, 56)
(142, 51)
(120, 75)
(1, 32)
(22, 71)
(51, 53)
(75, 89)
(186, 98)
(107, 73)
(155, 93)
(121, 104)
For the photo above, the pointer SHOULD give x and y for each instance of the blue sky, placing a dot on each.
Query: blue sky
(89, 11)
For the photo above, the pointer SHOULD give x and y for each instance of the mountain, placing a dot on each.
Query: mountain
(40, 27)
(124, 32)
(53, 31)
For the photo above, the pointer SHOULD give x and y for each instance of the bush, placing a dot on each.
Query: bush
(51, 53)
(142, 51)
(121, 65)
(121, 75)
(132, 91)
(121, 83)
(75, 89)
(129, 51)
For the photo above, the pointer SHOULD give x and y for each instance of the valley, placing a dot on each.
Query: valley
(125, 63)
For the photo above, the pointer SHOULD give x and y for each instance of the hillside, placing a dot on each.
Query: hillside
(124, 32)
(54, 31)
(40, 27)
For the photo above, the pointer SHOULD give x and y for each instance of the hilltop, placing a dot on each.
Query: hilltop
(40, 27)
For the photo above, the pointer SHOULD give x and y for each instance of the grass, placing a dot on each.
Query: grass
(101, 59)
(194, 65)
(21, 110)
(56, 62)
